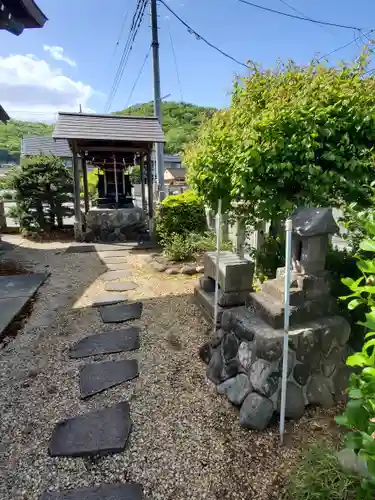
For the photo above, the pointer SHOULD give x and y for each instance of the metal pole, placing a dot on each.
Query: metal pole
(217, 278)
(159, 147)
(85, 182)
(77, 190)
(143, 182)
(115, 172)
(287, 281)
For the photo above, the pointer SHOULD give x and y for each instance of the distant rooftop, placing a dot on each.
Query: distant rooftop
(34, 145)
(108, 128)
(4, 117)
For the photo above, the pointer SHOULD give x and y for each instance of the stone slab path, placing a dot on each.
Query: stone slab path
(114, 275)
(107, 298)
(97, 377)
(95, 433)
(106, 492)
(15, 293)
(106, 343)
(119, 313)
(120, 286)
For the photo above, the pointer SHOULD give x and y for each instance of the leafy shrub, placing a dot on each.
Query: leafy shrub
(180, 214)
(206, 242)
(43, 185)
(135, 175)
(359, 415)
(319, 477)
(178, 247)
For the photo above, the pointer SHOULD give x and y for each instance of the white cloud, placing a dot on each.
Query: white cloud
(30, 89)
(58, 54)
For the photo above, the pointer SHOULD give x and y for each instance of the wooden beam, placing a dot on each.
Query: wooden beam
(77, 202)
(114, 149)
(85, 183)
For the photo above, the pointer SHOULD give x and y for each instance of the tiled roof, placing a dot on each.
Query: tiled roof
(108, 127)
(4, 117)
(34, 145)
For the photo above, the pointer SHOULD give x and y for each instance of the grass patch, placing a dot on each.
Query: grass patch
(319, 477)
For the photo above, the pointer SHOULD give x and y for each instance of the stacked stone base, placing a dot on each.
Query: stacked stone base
(122, 224)
(245, 362)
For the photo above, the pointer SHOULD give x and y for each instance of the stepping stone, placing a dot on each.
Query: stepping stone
(120, 266)
(80, 248)
(120, 286)
(121, 312)
(105, 492)
(97, 377)
(114, 275)
(95, 433)
(116, 259)
(107, 298)
(106, 343)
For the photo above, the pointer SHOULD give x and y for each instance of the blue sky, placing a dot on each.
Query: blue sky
(73, 59)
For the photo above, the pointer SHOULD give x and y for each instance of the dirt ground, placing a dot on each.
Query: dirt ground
(186, 441)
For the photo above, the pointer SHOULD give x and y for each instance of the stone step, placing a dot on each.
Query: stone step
(126, 339)
(268, 308)
(97, 377)
(119, 313)
(275, 288)
(105, 492)
(99, 432)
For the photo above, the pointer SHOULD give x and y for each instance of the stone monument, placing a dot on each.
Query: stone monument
(244, 356)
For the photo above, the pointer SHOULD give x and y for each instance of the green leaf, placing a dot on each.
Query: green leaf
(353, 440)
(357, 359)
(369, 334)
(369, 371)
(367, 345)
(355, 393)
(367, 245)
(354, 303)
(342, 420)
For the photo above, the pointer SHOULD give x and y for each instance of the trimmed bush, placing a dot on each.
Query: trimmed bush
(180, 214)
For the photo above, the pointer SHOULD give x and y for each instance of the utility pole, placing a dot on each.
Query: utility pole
(159, 153)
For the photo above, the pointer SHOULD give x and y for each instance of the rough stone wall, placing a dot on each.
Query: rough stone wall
(245, 362)
(123, 224)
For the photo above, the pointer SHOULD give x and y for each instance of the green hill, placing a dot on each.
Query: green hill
(180, 122)
(12, 132)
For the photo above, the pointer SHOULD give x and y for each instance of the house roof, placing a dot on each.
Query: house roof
(168, 158)
(34, 145)
(177, 173)
(23, 14)
(108, 128)
(4, 117)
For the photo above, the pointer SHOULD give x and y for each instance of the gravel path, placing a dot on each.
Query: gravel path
(186, 441)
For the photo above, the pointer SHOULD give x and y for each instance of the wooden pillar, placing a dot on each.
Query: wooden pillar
(78, 233)
(115, 172)
(85, 182)
(144, 206)
(151, 222)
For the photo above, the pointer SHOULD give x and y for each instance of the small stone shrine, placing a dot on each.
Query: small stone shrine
(244, 356)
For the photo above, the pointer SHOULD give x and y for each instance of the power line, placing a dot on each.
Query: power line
(346, 45)
(200, 37)
(138, 77)
(175, 63)
(304, 15)
(135, 25)
(121, 30)
(301, 18)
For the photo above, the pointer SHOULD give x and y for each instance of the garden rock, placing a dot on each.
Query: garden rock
(205, 352)
(187, 269)
(104, 492)
(207, 284)
(318, 392)
(245, 355)
(295, 401)
(256, 412)
(215, 367)
(217, 337)
(171, 271)
(269, 348)
(236, 389)
(199, 269)
(160, 268)
(263, 377)
(229, 346)
(301, 373)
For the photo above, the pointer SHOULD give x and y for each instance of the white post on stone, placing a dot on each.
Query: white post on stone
(218, 244)
(115, 172)
(287, 281)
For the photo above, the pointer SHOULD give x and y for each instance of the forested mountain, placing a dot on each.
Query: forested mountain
(180, 122)
(12, 132)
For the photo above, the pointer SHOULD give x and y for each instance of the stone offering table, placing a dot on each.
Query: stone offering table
(235, 282)
(245, 355)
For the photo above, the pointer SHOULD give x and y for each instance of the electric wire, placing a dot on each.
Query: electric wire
(135, 25)
(138, 77)
(326, 28)
(345, 45)
(175, 63)
(301, 18)
(200, 37)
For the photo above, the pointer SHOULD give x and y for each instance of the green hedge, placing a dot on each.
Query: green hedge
(180, 214)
